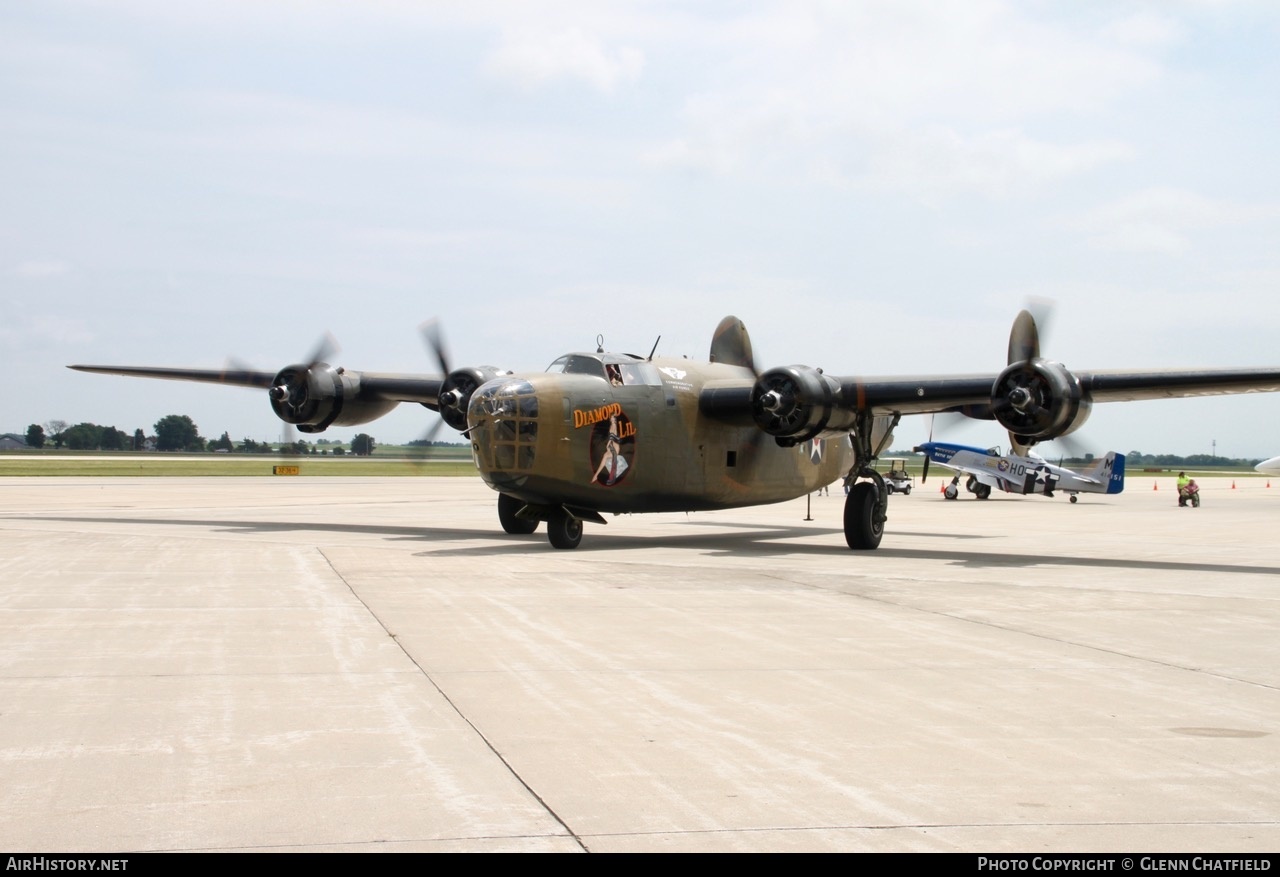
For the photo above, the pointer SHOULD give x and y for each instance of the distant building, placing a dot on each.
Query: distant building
(11, 441)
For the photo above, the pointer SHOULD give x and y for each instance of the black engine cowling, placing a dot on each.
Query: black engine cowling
(316, 396)
(455, 392)
(1039, 400)
(797, 403)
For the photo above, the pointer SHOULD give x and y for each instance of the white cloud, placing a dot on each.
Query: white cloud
(1163, 220)
(533, 58)
(36, 268)
(42, 329)
(937, 163)
(948, 98)
(1144, 28)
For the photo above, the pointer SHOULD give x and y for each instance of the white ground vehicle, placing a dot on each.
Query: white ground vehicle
(896, 480)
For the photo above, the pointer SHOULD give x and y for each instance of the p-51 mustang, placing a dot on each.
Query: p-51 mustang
(606, 432)
(989, 470)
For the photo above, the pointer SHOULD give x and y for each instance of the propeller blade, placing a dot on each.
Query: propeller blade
(430, 435)
(925, 475)
(421, 450)
(1071, 446)
(324, 350)
(434, 339)
(1024, 339)
(1041, 310)
(451, 399)
(1017, 448)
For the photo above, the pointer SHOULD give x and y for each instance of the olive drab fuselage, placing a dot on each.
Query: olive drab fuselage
(616, 433)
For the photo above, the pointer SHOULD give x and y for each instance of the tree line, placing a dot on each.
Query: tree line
(177, 432)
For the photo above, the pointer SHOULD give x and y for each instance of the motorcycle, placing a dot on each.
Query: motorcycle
(1189, 495)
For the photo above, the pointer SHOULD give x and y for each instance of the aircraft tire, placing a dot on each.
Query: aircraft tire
(862, 531)
(563, 530)
(983, 491)
(1073, 498)
(507, 508)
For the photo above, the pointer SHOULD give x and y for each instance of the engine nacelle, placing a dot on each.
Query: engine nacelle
(1039, 400)
(797, 403)
(455, 392)
(316, 396)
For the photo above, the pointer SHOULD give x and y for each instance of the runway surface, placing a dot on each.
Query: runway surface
(371, 664)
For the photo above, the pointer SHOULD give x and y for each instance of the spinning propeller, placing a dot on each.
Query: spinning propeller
(458, 384)
(291, 390)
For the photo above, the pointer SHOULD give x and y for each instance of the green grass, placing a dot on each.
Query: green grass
(224, 465)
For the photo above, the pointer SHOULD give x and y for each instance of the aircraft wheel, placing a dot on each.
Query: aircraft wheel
(507, 508)
(861, 529)
(951, 492)
(1073, 498)
(983, 491)
(564, 530)
(971, 484)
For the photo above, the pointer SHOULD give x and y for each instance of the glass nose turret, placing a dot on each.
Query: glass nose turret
(502, 423)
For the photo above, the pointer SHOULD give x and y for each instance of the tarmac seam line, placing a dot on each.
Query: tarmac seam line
(484, 739)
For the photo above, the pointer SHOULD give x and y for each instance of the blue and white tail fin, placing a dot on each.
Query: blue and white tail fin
(1110, 471)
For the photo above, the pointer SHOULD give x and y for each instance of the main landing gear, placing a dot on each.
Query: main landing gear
(977, 488)
(973, 485)
(866, 508)
(863, 521)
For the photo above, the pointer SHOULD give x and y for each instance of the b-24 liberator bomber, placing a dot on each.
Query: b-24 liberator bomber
(603, 432)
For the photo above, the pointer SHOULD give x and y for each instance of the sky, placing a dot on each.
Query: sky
(874, 188)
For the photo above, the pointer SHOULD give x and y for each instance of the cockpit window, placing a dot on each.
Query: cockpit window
(619, 370)
(639, 373)
(577, 364)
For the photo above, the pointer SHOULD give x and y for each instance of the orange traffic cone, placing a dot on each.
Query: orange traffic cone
(1155, 485)
(942, 488)
(1233, 485)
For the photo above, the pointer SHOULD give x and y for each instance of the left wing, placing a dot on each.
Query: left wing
(313, 396)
